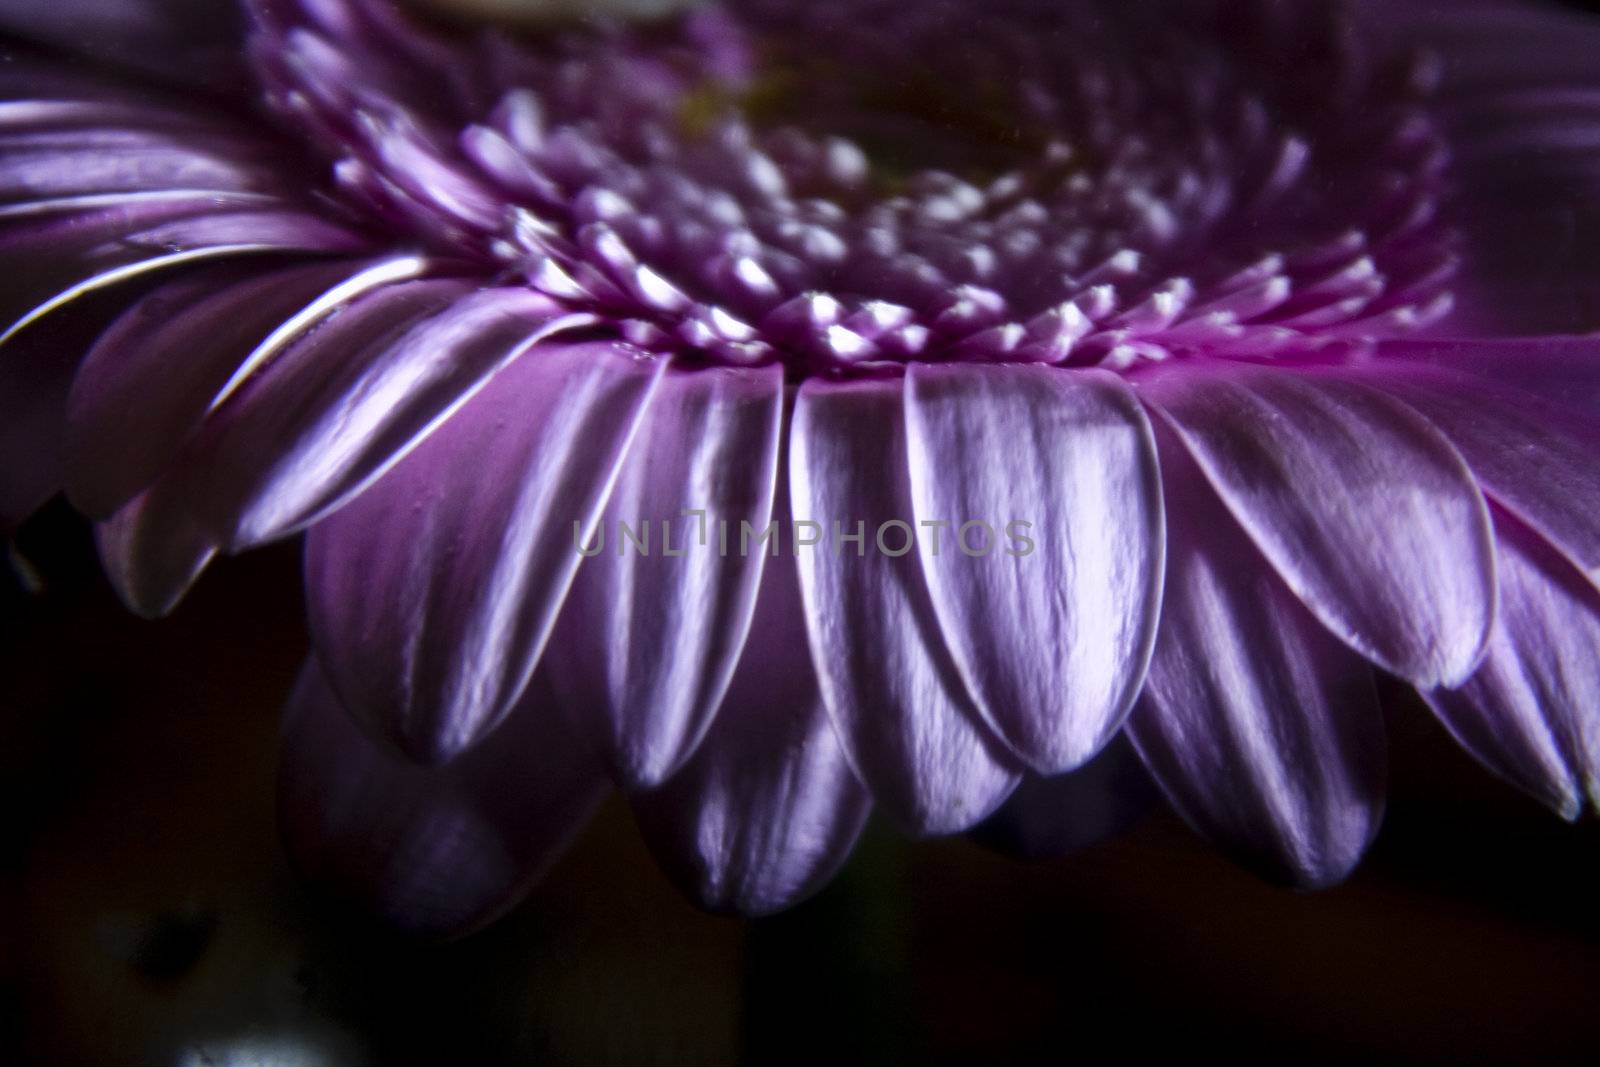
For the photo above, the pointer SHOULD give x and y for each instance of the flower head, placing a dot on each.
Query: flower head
(785, 409)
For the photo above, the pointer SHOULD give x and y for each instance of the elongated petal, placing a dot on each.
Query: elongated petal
(343, 404)
(75, 252)
(1560, 370)
(148, 382)
(1531, 713)
(1263, 730)
(438, 851)
(1052, 633)
(432, 594)
(1365, 509)
(1536, 458)
(768, 809)
(895, 694)
(36, 370)
(647, 641)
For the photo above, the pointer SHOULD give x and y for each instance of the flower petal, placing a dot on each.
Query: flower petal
(1263, 730)
(439, 851)
(1561, 370)
(75, 252)
(342, 404)
(153, 552)
(432, 594)
(890, 685)
(1051, 634)
(1364, 508)
(768, 809)
(1535, 458)
(647, 641)
(1531, 713)
(148, 382)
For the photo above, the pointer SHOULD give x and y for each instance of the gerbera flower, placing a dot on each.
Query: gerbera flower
(787, 409)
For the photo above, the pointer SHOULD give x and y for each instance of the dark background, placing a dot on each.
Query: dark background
(149, 916)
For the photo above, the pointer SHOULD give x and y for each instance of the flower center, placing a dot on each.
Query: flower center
(847, 187)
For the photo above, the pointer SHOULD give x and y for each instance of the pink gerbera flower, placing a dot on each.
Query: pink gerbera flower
(785, 409)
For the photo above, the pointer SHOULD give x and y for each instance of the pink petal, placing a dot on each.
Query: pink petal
(890, 685)
(1052, 634)
(439, 851)
(647, 643)
(768, 809)
(432, 594)
(1365, 509)
(1263, 730)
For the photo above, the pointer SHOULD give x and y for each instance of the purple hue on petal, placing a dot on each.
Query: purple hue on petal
(768, 809)
(1052, 634)
(339, 407)
(432, 594)
(153, 551)
(1535, 458)
(435, 851)
(890, 685)
(647, 641)
(1263, 730)
(148, 382)
(1531, 713)
(1365, 509)
(79, 251)
(1560, 370)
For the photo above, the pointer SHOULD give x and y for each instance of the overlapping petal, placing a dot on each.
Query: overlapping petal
(1531, 713)
(1044, 490)
(436, 851)
(431, 595)
(889, 682)
(656, 619)
(1263, 730)
(768, 809)
(1365, 509)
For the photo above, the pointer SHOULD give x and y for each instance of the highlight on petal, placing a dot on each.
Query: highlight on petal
(1050, 618)
(1365, 509)
(149, 380)
(431, 595)
(79, 251)
(341, 405)
(153, 552)
(1531, 713)
(1533, 457)
(768, 809)
(36, 372)
(889, 683)
(435, 851)
(1262, 729)
(653, 626)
